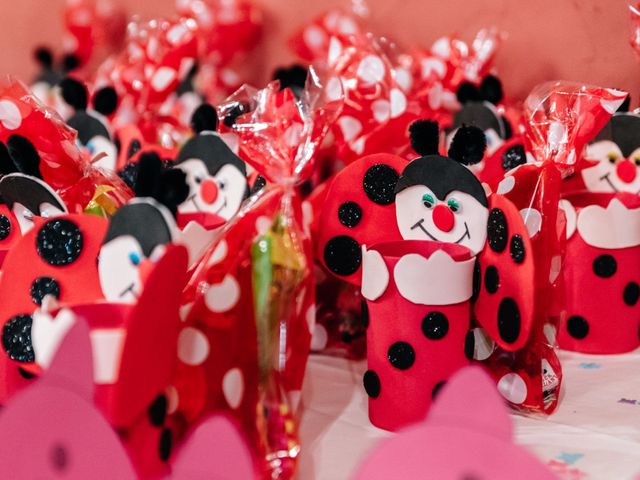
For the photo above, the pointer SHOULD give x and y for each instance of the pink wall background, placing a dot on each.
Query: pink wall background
(582, 40)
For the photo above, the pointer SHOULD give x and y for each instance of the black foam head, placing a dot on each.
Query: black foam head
(213, 152)
(623, 129)
(441, 175)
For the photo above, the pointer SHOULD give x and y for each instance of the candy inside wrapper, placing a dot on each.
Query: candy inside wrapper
(562, 118)
(255, 287)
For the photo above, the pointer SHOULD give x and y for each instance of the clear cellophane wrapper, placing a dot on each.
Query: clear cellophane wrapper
(252, 294)
(559, 119)
(71, 174)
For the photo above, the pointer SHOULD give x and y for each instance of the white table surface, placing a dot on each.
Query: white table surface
(594, 433)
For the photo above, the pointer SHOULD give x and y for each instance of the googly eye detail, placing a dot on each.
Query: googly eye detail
(199, 180)
(428, 200)
(222, 185)
(454, 205)
(134, 258)
(613, 157)
(637, 161)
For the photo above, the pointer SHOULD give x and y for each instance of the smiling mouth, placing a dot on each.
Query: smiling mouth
(129, 289)
(192, 199)
(606, 178)
(419, 223)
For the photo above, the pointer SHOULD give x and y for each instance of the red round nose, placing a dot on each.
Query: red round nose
(443, 218)
(209, 191)
(626, 171)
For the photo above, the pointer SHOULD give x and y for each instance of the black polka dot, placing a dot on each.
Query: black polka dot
(380, 184)
(59, 242)
(513, 157)
(16, 339)
(342, 255)
(5, 227)
(158, 410)
(436, 390)
(59, 457)
(371, 383)
(508, 320)
(497, 230)
(350, 214)
(43, 286)
(577, 327)
(469, 345)
(365, 314)
(401, 355)
(435, 325)
(491, 279)
(26, 375)
(631, 293)
(164, 447)
(516, 247)
(605, 266)
(477, 279)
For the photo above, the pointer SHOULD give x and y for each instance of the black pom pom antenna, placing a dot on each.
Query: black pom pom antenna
(467, 147)
(490, 90)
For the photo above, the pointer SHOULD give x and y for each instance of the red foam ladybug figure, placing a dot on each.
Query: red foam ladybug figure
(432, 200)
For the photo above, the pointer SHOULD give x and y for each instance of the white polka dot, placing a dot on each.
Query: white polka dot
(193, 346)
(233, 387)
(532, 219)
(398, 102)
(557, 135)
(310, 316)
(506, 185)
(550, 333)
(10, 115)
(163, 78)
(350, 127)
(433, 66)
(358, 145)
(486, 188)
(263, 224)
(173, 399)
(435, 96)
(314, 37)
(319, 338)
(381, 110)
(334, 89)
(177, 33)
(220, 253)
(403, 78)
(335, 50)
(442, 47)
(483, 344)
(513, 388)
(556, 268)
(347, 26)
(184, 311)
(371, 69)
(222, 297)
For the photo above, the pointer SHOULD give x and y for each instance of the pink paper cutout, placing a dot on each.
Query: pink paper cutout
(456, 441)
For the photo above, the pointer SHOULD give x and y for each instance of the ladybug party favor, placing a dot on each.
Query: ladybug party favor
(456, 440)
(616, 153)
(217, 178)
(602, 281)
(58, 433)
(440, 214)
(92, 126)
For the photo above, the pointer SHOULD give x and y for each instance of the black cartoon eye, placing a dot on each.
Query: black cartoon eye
(612, 157)
(453, 205)
(222, 185)
(428, 200)
(199, 180)
(637, 161)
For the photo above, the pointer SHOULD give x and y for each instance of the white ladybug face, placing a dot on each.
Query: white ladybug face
(458, 218)
(123, 268)
(613, 172)
(220, 194)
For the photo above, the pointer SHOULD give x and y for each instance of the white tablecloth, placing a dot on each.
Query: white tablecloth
(594, 433)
